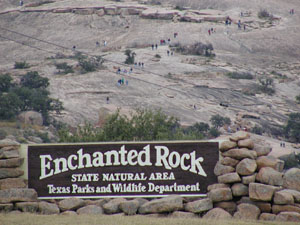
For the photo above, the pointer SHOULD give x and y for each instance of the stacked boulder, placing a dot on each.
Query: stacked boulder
(252, 185)
(13, 191)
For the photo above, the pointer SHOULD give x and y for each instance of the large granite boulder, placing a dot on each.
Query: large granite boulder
(268, 175)
(229, 178)
(247, 211)
(226, 145)
(240, 135)
(130, 207)
(246, 167)
(261, 192)
(240, 153)
(288, 217)
(220, 194)
(221, 169)
(291, 179)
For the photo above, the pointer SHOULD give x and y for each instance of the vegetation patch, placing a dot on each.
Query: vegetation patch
(21, 65)
(29, 94)
(197, 48)
(64, 68)
(264, 14)
(238, 75)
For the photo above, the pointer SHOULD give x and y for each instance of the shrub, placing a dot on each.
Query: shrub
(214, 132)
(291, 160)
(5, 82)
(3, 134)
(292, 128)
(9, 105)
(32, 79)
(157, 56)
(264, 14)
(237, 75)
(21, 65)
(297, 98)
(130, 56)
(257, 130)
(90, 64)
(64, 67)
(219, 121)
(194, 49)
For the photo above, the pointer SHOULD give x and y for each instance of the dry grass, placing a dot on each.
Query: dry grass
(32, 219)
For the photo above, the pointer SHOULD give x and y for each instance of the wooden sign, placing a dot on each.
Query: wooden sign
(144, 169)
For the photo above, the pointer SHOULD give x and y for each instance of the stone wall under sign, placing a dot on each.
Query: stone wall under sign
(251, 185)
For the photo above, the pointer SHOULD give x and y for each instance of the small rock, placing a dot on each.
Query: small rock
(227, 206)
(285, 208)
(9, 183)
(268, 175)
(295, 194)
(99, 202)
(31, 118)
(291, 179)
(179, 214)
(247, 211)
(246, 143)
(7, 142)
(220, 194)
(167, 204)
(226, 145)
(90, 210)
(199, 206)
(70, 204)
(283, 198)
(18, 195)
(129, 207)
(229, 178)
(216, 186)
(217, 214)
(69, 213)
(47, 208)
(221, 169)
(10, 173)
(267, 217)
(246, 167)
(288, 217)
(240, 135)
(227, 161)
(249, 179)
(11, 163)
(113, 206)
(31, 207)
(239, 189)
(9, 154)
(261, 192)
(240, 153)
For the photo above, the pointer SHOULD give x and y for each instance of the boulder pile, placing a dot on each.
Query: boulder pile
(251, 185)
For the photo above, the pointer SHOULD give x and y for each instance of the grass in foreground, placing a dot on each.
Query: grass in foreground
(119, 219)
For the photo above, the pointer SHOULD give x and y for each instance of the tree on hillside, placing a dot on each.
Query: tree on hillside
(219, 121)
(5, 82)
(292, 128)
(32, 79)
(130, 56)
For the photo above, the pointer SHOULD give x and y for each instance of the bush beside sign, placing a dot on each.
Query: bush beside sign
(126, 169)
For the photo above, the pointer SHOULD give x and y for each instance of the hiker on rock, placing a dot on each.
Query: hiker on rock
(107, 100)
(168, 52)
(152, 47)
(104, 43)
(208, 31)
(155, 46)
(175, 35)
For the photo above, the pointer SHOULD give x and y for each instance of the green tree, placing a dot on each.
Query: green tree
(219, 121)
(298, 99)
(292, 128)
(5, 82)
(9, 105)
(130, 56)
(32, 79)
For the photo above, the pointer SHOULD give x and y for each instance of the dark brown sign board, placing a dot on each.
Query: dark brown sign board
(128, 169)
